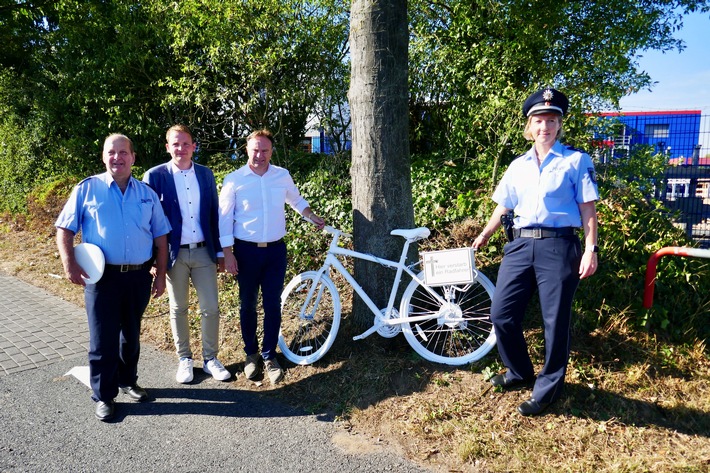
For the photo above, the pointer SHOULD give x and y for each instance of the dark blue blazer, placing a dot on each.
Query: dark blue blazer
(161, 180)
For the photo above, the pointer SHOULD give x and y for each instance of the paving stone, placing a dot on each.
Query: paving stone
(37, 328)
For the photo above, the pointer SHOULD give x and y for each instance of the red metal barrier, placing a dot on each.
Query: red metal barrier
(653, 262)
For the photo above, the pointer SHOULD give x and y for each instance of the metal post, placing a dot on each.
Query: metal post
(653, 262)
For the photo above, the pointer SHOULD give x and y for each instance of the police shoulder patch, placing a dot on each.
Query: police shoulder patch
(592, 175)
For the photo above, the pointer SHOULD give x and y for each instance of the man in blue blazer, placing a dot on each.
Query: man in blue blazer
(188, 193)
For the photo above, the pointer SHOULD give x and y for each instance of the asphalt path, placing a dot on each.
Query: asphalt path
(47, 421)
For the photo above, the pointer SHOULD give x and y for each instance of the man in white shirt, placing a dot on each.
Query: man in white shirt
(252, 225)
(188, 194)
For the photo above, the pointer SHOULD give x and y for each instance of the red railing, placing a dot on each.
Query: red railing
(653, 262)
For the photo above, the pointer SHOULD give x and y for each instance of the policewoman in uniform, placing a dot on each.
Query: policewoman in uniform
(551, 190)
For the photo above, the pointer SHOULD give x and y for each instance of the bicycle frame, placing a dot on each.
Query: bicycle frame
(380, 319)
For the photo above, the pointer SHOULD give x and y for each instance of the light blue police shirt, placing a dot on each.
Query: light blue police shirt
(548, 195)
(123, 225)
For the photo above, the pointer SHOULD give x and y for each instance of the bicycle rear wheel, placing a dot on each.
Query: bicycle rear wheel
(460, 330)
(308, 326)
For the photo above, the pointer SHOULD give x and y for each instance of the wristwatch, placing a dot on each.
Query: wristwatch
(593, 249)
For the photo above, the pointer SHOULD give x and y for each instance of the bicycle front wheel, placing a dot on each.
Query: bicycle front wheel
(308, 325)
(457, 331)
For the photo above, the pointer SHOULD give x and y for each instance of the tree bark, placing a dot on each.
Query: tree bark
(381, 174)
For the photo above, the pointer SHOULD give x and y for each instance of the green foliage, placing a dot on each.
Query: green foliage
(21, 163)
(446, 191)
(324, 181)
(632, 226)
(73, 71)
(473, 62)
(252, 64)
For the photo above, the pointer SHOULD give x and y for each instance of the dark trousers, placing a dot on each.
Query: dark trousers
(552, 266)
(114, 307)
(263, 268)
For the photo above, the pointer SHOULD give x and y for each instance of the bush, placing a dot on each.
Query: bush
(632, 226)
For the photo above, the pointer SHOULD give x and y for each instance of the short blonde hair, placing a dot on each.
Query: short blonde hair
(181, 128)
(263, 132)
(528, 135)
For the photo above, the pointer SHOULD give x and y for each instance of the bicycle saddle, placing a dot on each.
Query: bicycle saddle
(412, 234)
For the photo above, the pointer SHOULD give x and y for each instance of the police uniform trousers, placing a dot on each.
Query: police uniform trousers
(115, 306)
(265, 268)
(552, 266)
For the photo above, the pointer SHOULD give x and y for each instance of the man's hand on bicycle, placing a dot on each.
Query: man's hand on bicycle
(311, 216)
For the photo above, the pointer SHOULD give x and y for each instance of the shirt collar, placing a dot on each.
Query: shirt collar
(246, 170)
(108, 179)
(556, 150)
(176, 170)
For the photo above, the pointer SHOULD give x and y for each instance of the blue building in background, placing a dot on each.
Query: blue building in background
(673, 133)
(318, 141)
(685, 188)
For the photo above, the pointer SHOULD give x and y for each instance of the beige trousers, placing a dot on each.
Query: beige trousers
(197, 266)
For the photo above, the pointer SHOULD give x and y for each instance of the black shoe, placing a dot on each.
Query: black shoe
(532, 408)
(505, 383)
(104, 410)
(135, 392)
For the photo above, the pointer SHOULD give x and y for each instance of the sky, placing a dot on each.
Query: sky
(683, 78)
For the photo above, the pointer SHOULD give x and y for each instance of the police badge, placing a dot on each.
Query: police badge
(547, 95)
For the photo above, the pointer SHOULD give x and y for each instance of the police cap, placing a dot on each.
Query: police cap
(547, 100)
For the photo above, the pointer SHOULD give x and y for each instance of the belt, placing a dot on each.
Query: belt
(544, 232)
(260, 245)
(192, 246)
(124, 268)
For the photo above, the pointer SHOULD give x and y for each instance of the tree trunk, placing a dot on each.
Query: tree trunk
(381, 174)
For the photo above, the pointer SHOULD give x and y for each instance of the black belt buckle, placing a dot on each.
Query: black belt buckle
(124, 268)
(536, 232)
(192, 246)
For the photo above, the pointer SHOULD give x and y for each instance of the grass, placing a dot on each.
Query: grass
(632, 402)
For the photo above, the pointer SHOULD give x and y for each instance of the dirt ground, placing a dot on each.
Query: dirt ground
(631, 403)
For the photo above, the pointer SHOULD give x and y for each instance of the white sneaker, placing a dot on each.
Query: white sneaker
(184, 372)
(215, 368)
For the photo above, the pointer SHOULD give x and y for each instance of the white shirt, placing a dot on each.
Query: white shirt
(188, 192)
(252, 207)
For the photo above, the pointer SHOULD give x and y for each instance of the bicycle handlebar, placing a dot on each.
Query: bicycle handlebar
(335, 231)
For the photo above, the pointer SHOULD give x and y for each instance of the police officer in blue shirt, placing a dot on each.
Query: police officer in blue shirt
(123, 217)
(551, 190)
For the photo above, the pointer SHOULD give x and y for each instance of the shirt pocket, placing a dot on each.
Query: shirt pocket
(556, 184)
(144, 213)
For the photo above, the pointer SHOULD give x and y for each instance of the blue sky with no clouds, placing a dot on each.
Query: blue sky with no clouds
(683, 78)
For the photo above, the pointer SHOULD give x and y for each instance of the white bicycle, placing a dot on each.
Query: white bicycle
(447, 324)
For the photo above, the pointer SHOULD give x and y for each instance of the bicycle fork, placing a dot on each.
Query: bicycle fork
(304, 314)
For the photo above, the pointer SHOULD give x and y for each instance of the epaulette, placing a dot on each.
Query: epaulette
(95, 176)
